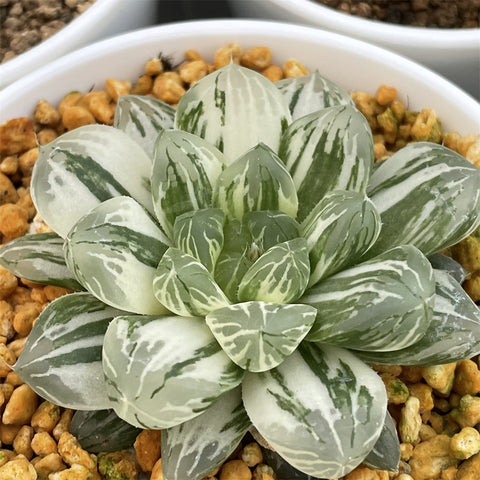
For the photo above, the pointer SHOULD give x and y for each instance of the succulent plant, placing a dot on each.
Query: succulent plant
(236, 261)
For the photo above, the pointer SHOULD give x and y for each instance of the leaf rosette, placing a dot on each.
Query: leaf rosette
(242, 258)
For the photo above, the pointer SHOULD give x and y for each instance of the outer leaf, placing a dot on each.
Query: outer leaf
(321, 409)
(427, 195)
(62, 359)
(200, 234)
(453, 334)
(114, 251)
(339, 230)
(162, 371)
(142, 118)
(185, 286)
(39, 258)
(185, 169)
(102, 431)
(327, 150)
(310, 93)
(280, 275)
(85, 167)
(384, 304)
(234, 109)
(256, 181)
(283, 470)
(195, 448)
(258, 336)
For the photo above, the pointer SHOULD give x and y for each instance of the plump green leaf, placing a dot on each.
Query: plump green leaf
(200, 234)
(102, 431)
(343, 218)
(164, 370)
(280, 275)
(384, 304)
(185, 286)
(62, 358)
(229, 271)
(39, 258)
(234, 108)
(142, 118)
(328, 150)
(256, 181)
(114, 251)
(453, 334)
(322, 409)
(311, 93)
(198, 446)
(185, 168)
(258, 336)
(84, 167)
(427, 195)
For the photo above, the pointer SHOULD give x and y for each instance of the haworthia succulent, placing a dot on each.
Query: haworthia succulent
(328, 150)
(185, 286)
(339, 230)
(280, 275)
(453, 334)
(322, 409)
(39, 258)
(87, 166)
(234, 109)
(114, 251)
(229, 271)
(200, 234)
(142, 118)
(256, 181)
(185, 168)
(384, 304)
(198, 446)
(62, 358)
(164, 370)
(258, 336)
(311, 93)
(427, 195)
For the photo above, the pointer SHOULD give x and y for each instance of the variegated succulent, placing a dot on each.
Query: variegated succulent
(236, 261)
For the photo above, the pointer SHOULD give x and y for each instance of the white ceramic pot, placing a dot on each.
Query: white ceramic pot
(354, 64)
(454, 53)
(103, 19)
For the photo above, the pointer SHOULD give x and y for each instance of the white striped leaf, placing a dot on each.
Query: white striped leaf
(280, 275)
(453, 334)
(268, 228)
(258, 336)
(195, 448)
(311, 93)
(200, 234)
(322, 409)
(339, 230)
(164, 370)
(185, 168)
(328, 150)
(114, 251)
(84, 167)
(142, 118)
(427, 195)
(256, 181)
(39, 258)
(229, 271)
(234, 108)
(384, 304)
(184, 286)
(62, 358)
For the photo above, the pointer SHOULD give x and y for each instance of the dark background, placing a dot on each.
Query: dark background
(178, 10)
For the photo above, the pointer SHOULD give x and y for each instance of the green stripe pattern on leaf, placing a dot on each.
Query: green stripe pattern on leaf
(384, 304)
(64, 347)
(114, 251)
(258, 336)
(322, 409)
(87, 166)
(164, 370)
